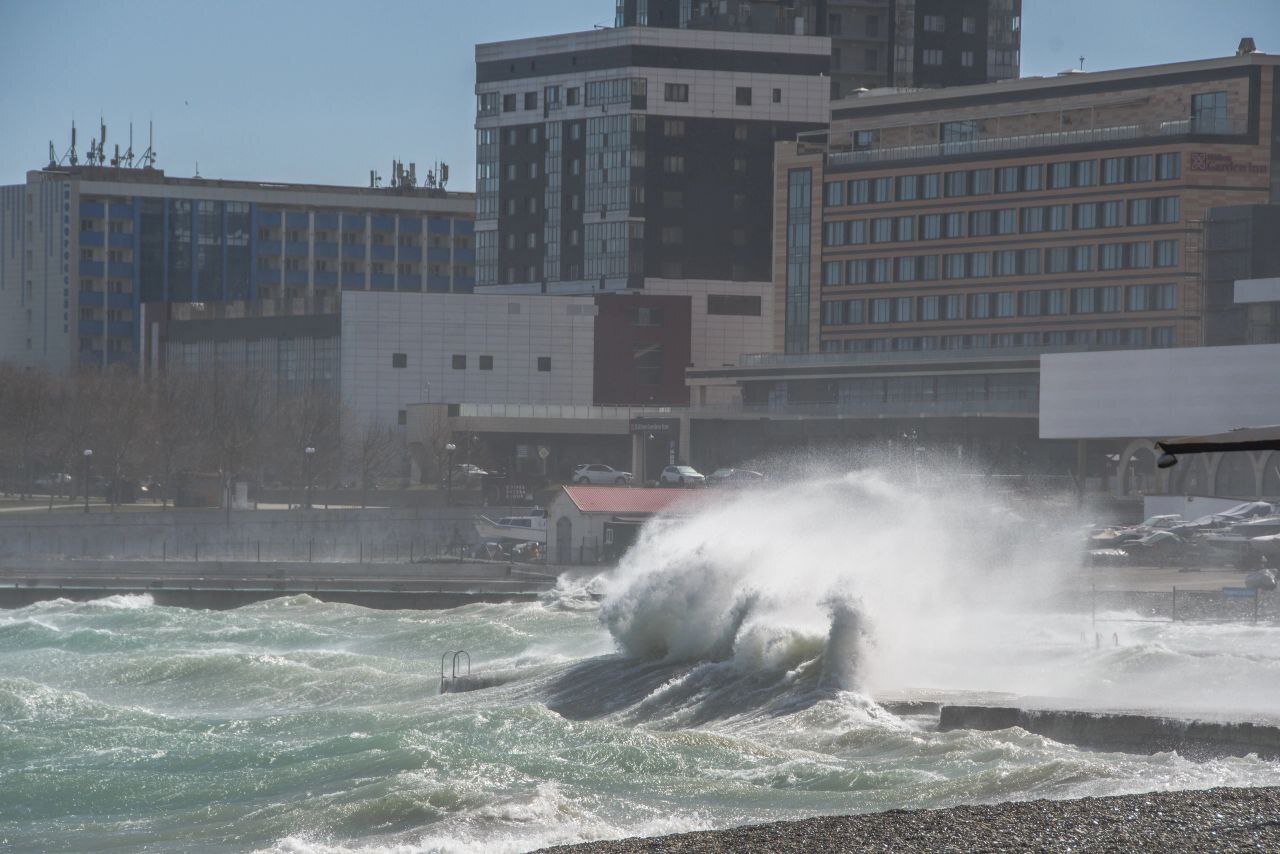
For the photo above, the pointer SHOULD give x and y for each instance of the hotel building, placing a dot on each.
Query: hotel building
(1036, 213)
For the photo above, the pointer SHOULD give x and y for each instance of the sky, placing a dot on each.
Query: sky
(322, 91)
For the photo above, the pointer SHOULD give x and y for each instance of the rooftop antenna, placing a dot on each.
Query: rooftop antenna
(102, 143)
(128, 155)
(1082, 63)
(73, 157)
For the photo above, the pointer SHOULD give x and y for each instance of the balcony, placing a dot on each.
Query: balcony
(266, 277)
(353, 281)
(92, 210)
(384, 223)
(326, 278)
(438, 254)
(295, 277)
(408, 282)
(435, 225)
(92, 238)
(382, 252)
(120, 240)
(382, 281)
(90, 299)
(296, 250)
(266, 219)
(326, 250)
(438, 284)
(464, 255)
(353, 251)
(120, 329)
(326, 221)
(91, 268)
(840, 151)
(120, 269)
(410, 254)
(779, 360)
(295, 219)
(410, 225)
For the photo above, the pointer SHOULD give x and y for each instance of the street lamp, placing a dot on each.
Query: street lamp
(88, 455)
(310, 452)
(448, 487)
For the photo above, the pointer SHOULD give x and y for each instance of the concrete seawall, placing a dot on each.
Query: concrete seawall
(229, 584)
(1130, 733)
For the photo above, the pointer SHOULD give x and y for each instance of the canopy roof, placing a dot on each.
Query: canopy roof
(1239, 439)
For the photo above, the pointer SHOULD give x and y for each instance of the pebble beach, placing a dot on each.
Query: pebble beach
(1223, 819)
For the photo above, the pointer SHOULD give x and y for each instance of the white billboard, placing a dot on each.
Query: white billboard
(1158, 393)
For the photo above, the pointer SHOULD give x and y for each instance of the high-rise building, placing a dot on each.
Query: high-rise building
(1053, 212)
(609, 157)
(82, 248)
(874, 43)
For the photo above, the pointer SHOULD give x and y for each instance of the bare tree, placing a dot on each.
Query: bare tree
(117, 413)
(306, 417)
(170, 429)
(231, 411)
(374, 448)
(432, 433)
(26, 412)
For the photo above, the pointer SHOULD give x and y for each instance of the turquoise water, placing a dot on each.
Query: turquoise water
(725, 674)
(302, 726)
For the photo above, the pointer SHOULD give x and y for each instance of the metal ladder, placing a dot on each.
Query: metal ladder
(450, 684)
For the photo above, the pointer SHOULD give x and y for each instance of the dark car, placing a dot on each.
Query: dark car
(734, 477)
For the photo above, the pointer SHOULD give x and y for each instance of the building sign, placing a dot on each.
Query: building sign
(1201, 162)
(656, 426)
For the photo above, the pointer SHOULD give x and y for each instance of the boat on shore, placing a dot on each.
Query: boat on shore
(530, 527)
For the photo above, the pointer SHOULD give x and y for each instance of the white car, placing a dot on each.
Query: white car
(682, 476)
(598, 473)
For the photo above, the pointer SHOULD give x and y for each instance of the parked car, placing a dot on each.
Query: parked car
(58, 482)
(467, 473)
(681, 476)
(734, 477)
(599, 473)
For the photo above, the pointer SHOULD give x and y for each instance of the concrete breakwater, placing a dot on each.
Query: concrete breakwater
(229, 584)
(1125, 732)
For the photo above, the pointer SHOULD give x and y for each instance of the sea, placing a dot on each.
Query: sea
(736, 668)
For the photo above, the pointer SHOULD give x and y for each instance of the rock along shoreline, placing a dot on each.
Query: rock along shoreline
(1223, 819)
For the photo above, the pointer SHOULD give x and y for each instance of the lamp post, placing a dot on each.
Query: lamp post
(448, 481)
(310, 454)
(88, 456)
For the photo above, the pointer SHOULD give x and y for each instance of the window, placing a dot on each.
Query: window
(979, 264)
(1168, 166)
(981, 181)
(881, 230)
(930, 186)
(742, 96)
(672, 235)
(673, 128)
(956, 224)
(979, 306)
(1055, 301)
(777, 96)
(929, 308)
(1030, 304)
(962, 131)
(1166, 253)
(1111, 214)
(834, 233)
(1059, 217)
(966, 58)
(954, 266)
(1007, 179)
(402, 417)
(935, 24)
(487, 103)
(968, 24)
(673, 198)
(486, 363)
(858, 272)
(1087, 215)
(644, 315)
(1209, 112)
(957, 184)
(1139, 211)
(1086, 173)
(931, 226)
(1082, 301)
(572, 96)
(929, 268)
(508, 103)
(882, 190)
(1111, 256)
(1166, 210)
(857, 231)
(1113, 170)
(1164, 297)
(1006, 305)
(1032, 220)
(738, 306)
(870, 59)
(932, 56)
(1109, 298)
(1058, 259)
(906, 269)
(1007, 221)
(1059, 176)
(871, 26)
(1006, 262)
(673, 164)
(1030, 261)
(459, 362)
(739, 164)
(1138, 255)
(859, 191)
(833, 273)
(1083, 261)
(544, 364)
(1033, 177)
(399, 360)
(881, 310)
(907, 186)
(906, 228)
(1142, 168)
(1162, 336)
